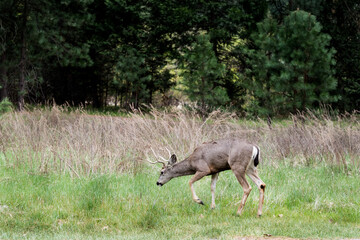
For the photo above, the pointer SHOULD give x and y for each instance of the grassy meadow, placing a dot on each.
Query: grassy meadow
(71, 175)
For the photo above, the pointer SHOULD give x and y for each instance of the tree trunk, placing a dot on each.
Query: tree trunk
(106, 95)
(116, 97)
(136, 106)
(203, 94)
(22, 83)
(3, 78)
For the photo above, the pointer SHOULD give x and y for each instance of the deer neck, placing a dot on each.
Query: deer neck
(182, 168)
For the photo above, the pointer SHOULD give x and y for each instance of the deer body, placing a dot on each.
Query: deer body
(214, 157)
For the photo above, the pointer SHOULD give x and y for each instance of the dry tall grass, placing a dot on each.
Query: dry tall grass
(79, 143)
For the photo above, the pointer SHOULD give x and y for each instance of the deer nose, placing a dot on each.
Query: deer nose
(159, 184)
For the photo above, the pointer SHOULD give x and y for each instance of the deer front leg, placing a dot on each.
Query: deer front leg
(196, 177)
(213, 186)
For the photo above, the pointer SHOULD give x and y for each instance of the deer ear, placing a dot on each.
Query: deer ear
(173, 159)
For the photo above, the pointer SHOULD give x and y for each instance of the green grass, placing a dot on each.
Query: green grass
(300, 202)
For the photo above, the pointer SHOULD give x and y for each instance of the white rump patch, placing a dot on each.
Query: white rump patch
(254, 153)
(253, 156)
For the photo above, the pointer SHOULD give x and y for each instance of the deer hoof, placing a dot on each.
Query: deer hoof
(199, 202)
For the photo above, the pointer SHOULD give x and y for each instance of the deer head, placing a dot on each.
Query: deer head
(165, 173)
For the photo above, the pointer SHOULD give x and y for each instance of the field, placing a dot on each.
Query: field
(71, 175)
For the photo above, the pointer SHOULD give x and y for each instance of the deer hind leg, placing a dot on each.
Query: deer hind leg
(252, 173)
(196, 177)
(246, 187)
(213, 186)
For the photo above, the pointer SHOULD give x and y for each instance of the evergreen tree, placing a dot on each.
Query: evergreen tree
(39, 33)
(131, 76)
(291, 68)
(340, 19)
(202, 75)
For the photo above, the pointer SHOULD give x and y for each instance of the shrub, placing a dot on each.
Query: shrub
(5, 106)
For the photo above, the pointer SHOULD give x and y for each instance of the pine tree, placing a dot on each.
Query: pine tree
(292, 68)
(132, 76)
(340, 19)
(38, 33)
(202, 75)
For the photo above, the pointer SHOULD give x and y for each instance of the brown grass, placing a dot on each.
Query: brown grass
(79, 143)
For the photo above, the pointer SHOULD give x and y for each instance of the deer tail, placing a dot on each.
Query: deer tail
(256, 155)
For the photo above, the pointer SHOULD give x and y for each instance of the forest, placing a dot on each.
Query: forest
(258, 58)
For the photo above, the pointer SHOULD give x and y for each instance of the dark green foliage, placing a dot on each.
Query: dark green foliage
(202, 74)
(118, 51)
(291, 67)
(132, 76)
(39, 35)
(158, 29)
(71, 48)
(340, 19)
(281, 8)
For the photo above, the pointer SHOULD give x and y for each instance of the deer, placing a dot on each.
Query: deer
(211, 158)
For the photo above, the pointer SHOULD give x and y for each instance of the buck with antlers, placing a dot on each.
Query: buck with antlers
(212, 158)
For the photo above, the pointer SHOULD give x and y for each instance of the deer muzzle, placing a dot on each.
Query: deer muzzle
(159, 184)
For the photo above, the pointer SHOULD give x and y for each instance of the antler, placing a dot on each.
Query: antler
(158, 156)
(162, 161)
